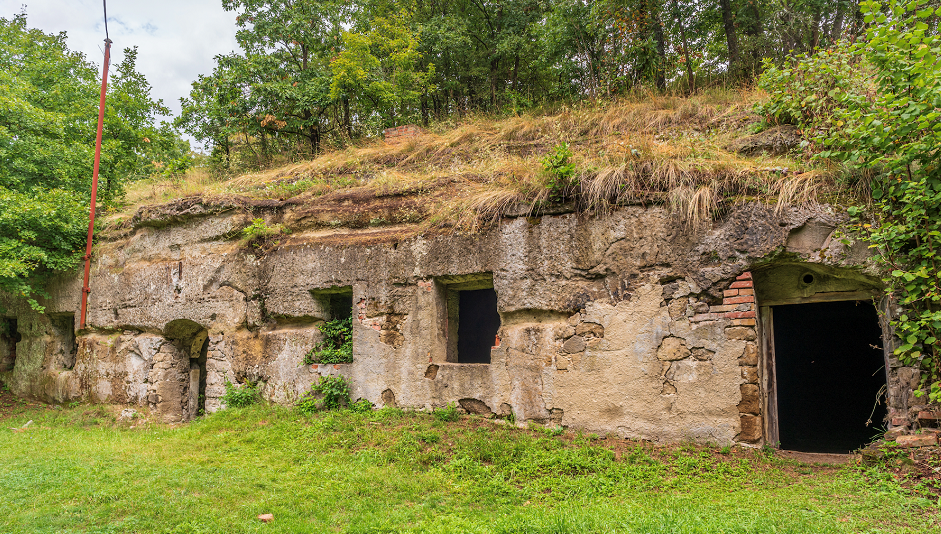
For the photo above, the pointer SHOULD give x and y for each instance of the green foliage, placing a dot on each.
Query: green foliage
(892, 132)
(48, 105)
(447, 414)
(361, 406)
(240, 396)
(560, 172)
(258, 233)
(329, 393)
(336, 345)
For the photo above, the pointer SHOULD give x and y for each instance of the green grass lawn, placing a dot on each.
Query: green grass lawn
(76, 470)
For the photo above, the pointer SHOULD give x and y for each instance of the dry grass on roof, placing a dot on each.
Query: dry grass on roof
(638, 150)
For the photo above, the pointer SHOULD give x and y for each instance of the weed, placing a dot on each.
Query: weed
(561, 172)
(329, 393)
(240, 396)
(337, 343)
(448, 413)
(258, 234)
(726, 450)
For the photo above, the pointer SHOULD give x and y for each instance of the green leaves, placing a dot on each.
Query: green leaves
(337, 343)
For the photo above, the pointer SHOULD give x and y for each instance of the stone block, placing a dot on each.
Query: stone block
(701, 307)
(750, 356)
(740, 332)
(672, 349)
(917, 440)
(594, 329)
(561, 363)
(743, 322)
(751, 429)
(750, 374)
(751, 402)
(574, 344)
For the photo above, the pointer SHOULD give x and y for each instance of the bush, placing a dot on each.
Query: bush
(561, 172)
(361, 406)
(329, 393)
(337, 344)
(259, 233)
(240, 397)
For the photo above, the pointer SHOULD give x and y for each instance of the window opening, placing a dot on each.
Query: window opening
(473, 320)
(9, 337)
(830, 374)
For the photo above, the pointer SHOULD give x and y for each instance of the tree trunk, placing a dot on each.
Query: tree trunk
(690, 80)
(730, 37)
(836, 31)
(653, 16)
(347, 125)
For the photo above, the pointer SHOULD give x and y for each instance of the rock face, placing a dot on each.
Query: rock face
(595, 318)
(775, 141)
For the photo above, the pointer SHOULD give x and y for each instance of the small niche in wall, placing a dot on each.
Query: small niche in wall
(63, 329)
(9, 337)
(335, 302)
(473, 319)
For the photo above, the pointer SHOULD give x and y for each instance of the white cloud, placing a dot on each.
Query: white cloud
(176, 39)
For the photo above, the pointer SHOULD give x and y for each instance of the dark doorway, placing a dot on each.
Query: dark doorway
(9, 337)
(478, 323)
(830, 372)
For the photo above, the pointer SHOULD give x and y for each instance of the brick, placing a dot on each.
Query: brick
(899, 421)
(740, 315)
(743, 322)
(742, 284)
(722, 309)
(917, 440)
(730, 293)
(744, 292)
(738, 300)
(927, 416)
(700, 317)
(744, 276)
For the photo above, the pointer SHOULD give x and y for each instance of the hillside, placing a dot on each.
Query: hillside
(679, 152)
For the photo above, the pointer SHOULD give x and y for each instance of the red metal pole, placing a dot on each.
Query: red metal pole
(94, 180)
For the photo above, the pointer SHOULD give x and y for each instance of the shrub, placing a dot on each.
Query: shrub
(337, 344)
(240, 396)
(361, 406)
(329, 393)
(258, 234)
(561, 172)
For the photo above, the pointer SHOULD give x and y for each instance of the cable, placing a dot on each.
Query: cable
(104, 6)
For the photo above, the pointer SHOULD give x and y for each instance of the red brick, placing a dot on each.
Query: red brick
(336, 366)
(917, 440)
(743, 322)
(741, 284)
(703, 317)
(927, 416)
(744, 276)
(744, 292)
(741, 315)
(722, 309)
(738, 300)
(899, 421)
(730, 293)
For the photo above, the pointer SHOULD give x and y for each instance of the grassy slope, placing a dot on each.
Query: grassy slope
(387, 471)
(666, 150)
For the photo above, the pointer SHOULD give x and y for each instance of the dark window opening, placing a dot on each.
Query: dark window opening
(830, 375)
(9, 337)
(65, 347)
(341, 305)
(198, 364)
(477, 324)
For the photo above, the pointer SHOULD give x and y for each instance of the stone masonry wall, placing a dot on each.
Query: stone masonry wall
(631, 324)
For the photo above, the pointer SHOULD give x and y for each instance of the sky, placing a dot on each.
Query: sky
(176, 39)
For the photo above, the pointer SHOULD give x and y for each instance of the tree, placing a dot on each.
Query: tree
(48, 105)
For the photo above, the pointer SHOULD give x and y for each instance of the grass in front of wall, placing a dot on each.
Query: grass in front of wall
(76, 470)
